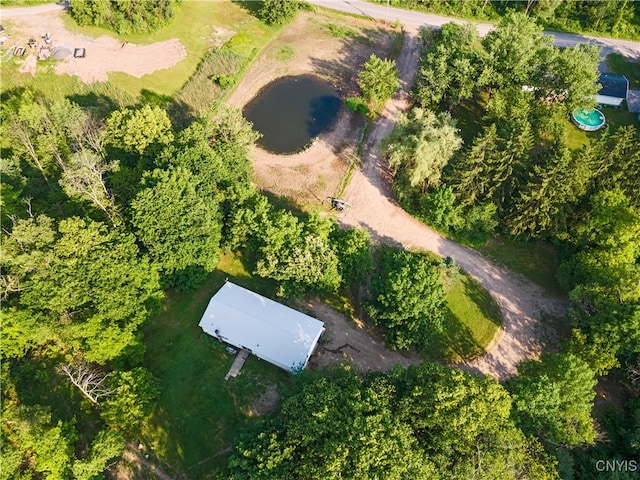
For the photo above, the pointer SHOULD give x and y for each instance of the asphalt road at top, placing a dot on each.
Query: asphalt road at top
(412, 19)
(408, 18)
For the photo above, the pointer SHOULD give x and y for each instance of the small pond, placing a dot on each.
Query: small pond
(291, 111)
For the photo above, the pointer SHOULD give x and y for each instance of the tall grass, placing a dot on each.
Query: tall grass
(217, 73)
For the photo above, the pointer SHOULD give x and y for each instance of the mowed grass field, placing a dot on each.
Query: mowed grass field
(537, 261)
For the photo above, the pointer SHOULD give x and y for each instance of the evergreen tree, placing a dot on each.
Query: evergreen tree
(550, 193)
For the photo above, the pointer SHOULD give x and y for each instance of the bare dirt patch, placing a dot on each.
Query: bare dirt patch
(314, 175)
(265, 403)
(353, 343)
(135, 463)
(103, 54)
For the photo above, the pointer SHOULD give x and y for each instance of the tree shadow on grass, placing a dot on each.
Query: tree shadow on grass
(483, 300)
(251, 6)
(102, 105)
(455, 342)
(353, 52)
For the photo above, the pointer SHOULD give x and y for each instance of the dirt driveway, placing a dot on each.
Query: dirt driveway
(313, 175)
(521, 302)
(103, 54)
(353, 343)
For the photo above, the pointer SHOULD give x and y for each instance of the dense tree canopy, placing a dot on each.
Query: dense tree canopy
(424, 422)
(452, 67)
(408, 299)
(553, 398)
(124, 16)
(180, 229)
(139, 129)
(619, 19)
(86, 279)
(298, 255)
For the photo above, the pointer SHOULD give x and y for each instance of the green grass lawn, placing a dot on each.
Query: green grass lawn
(471, 322)
(198, 412)
(619, 64)
(537, 261)
(619, 117)
(576, 138)
(616, 118)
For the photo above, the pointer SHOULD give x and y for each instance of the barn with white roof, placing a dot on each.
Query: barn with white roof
(269, 330)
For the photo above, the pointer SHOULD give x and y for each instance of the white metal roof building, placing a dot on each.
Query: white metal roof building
(269, 330)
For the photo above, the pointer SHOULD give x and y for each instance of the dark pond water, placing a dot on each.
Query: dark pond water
(291, 111)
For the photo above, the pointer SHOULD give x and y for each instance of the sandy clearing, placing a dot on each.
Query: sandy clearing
(104, 54)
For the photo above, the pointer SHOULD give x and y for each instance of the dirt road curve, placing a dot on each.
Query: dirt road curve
(520, 301)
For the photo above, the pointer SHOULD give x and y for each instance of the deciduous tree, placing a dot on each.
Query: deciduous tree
(352, 247)
(276, 12)
(408, 299)
(106, 446)
(139, 130)
(378, 81)
(462, 422)
(515, 50)
(180, 229)
(338, 428)
(451, 68)
(87, 280)
(553, 398)
(298, 256)
(135, 396)
(421, 145)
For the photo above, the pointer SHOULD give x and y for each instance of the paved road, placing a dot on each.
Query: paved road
(413, 19)
(22, 11)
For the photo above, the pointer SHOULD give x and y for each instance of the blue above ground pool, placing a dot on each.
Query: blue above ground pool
(588, 119)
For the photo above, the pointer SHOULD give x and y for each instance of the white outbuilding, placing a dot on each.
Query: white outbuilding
(267, 329)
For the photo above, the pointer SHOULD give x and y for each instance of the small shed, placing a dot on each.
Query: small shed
(269, 330)
(615, 89)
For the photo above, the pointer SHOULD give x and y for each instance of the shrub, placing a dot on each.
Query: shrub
(277, 12)
(357, 105)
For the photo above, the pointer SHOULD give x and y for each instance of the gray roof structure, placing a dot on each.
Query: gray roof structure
(613, 85)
